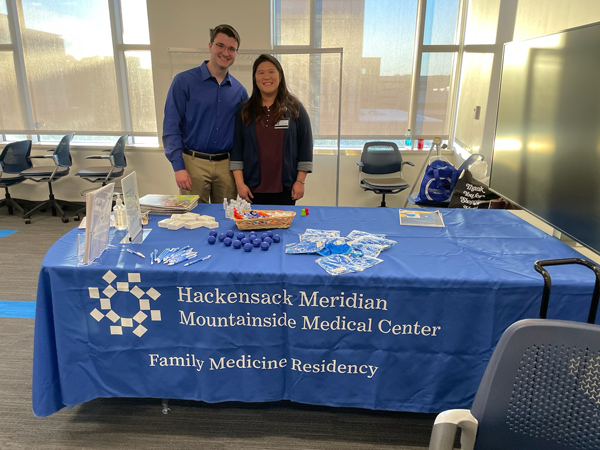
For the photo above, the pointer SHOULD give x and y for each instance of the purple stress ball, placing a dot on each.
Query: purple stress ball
(252, 236)
(264, 246)
(270, 233)
(268, 240)
(263, 236)
(211, 240)
(241, 236)
(222, 236)
(276, 238)
(230, 233)
(227, 241)
(237, 244)
(245, 241)
(256, 242)
(213, 233)
(248, 247)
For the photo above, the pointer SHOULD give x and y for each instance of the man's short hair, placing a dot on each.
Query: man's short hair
(227, 30)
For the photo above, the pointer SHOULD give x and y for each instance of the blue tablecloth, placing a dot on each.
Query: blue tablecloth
(413, 333)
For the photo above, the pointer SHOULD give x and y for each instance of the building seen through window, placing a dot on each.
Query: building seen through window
(70, 72)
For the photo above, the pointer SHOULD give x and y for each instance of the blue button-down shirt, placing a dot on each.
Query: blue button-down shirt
(199, 114)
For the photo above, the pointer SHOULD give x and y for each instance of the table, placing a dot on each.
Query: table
(413, 333)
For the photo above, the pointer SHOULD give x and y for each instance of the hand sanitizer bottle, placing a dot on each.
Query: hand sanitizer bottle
(408, 140)
(120, 216)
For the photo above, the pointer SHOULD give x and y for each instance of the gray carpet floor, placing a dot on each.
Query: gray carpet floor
(123, 423)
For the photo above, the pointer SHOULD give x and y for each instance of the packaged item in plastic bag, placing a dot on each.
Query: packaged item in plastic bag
(385, 243)
(305, 247)
(355, 234)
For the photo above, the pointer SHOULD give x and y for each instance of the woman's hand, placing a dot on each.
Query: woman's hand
(244, 192)
(297, 190)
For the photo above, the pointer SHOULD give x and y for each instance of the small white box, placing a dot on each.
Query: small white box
(193, 225)
(176, 225)
(190, 216)
(164, 223)
(211, 224)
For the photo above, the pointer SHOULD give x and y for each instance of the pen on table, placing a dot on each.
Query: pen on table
(197, 260)
(141, 255)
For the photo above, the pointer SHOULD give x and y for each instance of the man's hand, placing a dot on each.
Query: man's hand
(183, 180)
(244, 192)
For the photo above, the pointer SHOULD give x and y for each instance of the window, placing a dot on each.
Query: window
(385, 43)
(80, 67)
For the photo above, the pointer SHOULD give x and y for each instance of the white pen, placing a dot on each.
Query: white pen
(197, 260)
(141, 255)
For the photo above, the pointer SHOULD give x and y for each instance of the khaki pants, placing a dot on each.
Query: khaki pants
(211, 180)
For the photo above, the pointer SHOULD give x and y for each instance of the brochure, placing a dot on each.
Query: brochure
(421, 218)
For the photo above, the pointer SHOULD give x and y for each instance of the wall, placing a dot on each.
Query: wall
(518, 20)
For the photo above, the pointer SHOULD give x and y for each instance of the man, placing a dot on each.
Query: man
(199, 120)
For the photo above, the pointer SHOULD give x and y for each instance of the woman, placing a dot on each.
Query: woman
(272, 145)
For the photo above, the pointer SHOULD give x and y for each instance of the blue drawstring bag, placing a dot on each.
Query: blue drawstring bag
(439, 180)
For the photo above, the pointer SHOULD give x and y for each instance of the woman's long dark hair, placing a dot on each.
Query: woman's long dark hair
(284, 101)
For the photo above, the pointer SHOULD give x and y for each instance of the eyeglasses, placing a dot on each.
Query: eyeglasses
(223, 47)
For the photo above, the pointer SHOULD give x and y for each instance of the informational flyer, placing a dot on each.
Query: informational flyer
(133, 211)
(421, 218)
(98, 205)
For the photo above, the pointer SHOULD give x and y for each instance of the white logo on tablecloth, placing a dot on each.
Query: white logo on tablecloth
(125, 324)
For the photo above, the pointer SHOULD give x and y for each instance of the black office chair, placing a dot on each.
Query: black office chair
(106, 173)
(61, 157)
(15, 158)
(380, 169)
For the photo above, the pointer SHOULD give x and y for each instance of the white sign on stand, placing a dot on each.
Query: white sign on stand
(133, 211)
(98, 205)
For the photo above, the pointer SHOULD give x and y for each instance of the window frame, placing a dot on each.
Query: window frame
(121, 78)
(419, 50)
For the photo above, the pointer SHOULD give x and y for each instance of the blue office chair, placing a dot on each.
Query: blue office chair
(541, 390)
(106, 173)
(61, 157)
(380, 169)
(15, 158)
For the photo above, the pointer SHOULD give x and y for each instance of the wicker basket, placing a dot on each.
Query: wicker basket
(282, 220)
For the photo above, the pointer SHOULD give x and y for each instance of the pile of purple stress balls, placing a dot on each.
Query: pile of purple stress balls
(253, 240)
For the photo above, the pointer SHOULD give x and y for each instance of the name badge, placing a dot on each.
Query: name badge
(283, 124)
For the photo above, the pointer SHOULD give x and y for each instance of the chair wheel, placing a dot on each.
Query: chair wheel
(77, 218)
(64, 220)
(27, 221)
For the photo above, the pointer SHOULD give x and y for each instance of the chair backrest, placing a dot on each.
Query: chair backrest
(62, 153)
(117, 154)
(381, 158)
(16, 157)
(541, 388)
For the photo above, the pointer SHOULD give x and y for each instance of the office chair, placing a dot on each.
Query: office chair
(541, 389)
(15, 158)
(106, 173)
(380, 169)
(62, 165)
